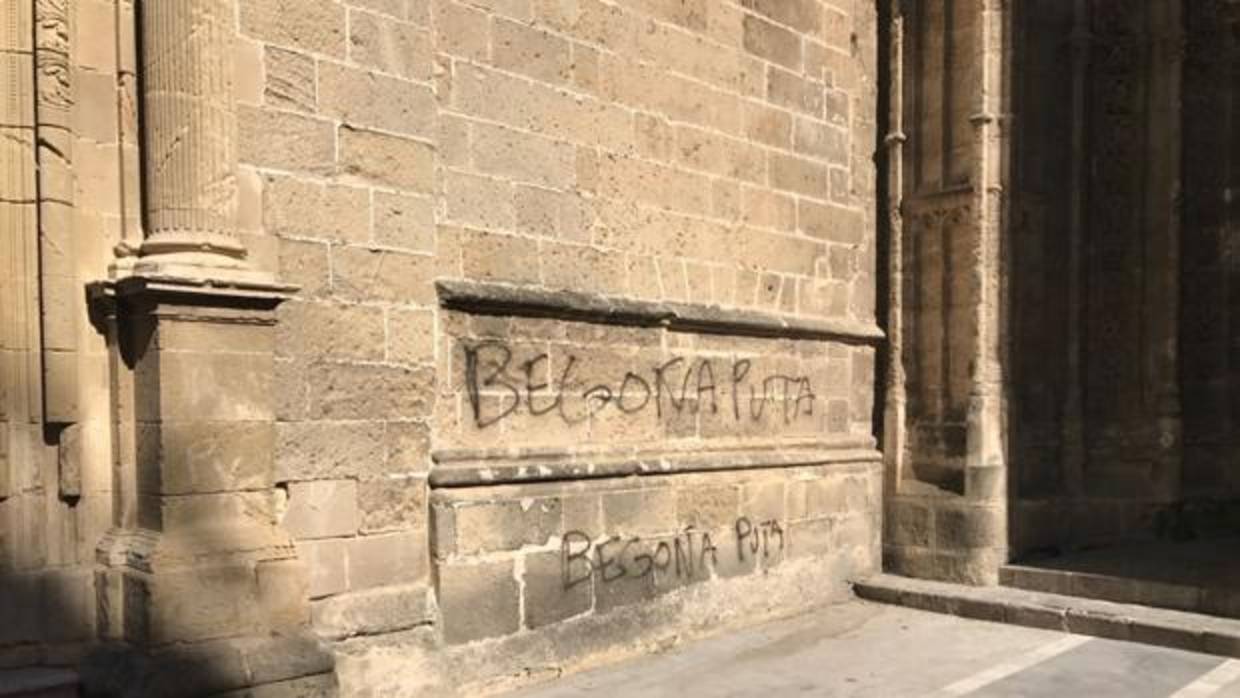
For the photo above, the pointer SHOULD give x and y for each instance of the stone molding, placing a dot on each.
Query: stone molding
(489, 298)
(472, 467)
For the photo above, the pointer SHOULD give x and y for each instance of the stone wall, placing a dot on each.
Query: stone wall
(700, 153)
(585, 320)
(707, 154)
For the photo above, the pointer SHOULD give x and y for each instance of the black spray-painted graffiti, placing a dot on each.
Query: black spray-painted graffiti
(685, 556)
(675, 386)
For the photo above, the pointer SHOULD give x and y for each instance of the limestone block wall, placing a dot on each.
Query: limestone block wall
(704, 153)
(570, 272)
(521, 557)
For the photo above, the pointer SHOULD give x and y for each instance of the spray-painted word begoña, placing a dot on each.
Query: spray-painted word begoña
(687, 555)
(729, 388)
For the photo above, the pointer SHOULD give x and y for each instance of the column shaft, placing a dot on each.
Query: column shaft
(190, 129)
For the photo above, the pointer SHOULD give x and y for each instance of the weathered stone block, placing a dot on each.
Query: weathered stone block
(767, 125)
(283, 592)
(820, 140)
(408, 447)
(392, 503)
(291, 80)
(708, 507)
(481, 202)
(346, 94)
(316, 450)
(772, 42)
(373, 611)
(214, 511)
(764, 501)
(549, 213)
(790, 90)
(305, 264)
(811, 538)
(503, 525)
(462, 31)
(582, 268)
(197, 457)
(322, 509)
(404, 222)
(286, 141)
(392, 558)
(382, 275)
(301, 208)
(829, 222)
(802, 15)
(192, 387)
(331, 330)
(522, 157)
(640, 513)
(538, 54)
(391, 46)
(907, 523)
(326, 566)
(199, 603)
(549, 597)
(624, 591)
(67, 609)
(311, 25)
(972, 527)
(500, 258)
(478, 600)
(799, 176)
(386, 160)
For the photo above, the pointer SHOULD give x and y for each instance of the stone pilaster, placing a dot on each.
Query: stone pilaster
(199, 585)
(18, 250)
(59, 286)
(944, 423)
(205, 571)
(985, 477)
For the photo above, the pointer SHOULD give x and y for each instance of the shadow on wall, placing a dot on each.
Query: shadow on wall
(213, 606)
(53, 619)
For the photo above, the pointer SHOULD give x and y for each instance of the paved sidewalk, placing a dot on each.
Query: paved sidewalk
(864, 649)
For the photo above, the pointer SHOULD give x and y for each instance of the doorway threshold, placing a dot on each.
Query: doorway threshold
(1201, 576)
(1128, 622)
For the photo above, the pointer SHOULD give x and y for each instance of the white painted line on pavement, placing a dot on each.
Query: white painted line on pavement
(1212, 681)
(1012, 666)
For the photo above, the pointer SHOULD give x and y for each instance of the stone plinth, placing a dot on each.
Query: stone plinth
(199, 570)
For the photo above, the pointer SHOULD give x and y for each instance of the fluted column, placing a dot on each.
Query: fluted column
(189, 138)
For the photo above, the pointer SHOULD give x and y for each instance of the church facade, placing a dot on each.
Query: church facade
(404, 347)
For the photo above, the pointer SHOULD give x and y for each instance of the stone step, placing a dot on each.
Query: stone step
(38, 683)
(1210, 600)
(1118, 621)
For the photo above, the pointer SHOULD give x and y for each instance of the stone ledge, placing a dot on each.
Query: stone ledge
(1210, 600)
(1129, 622)
(371, 612)
(475, 468)
(489, 298)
